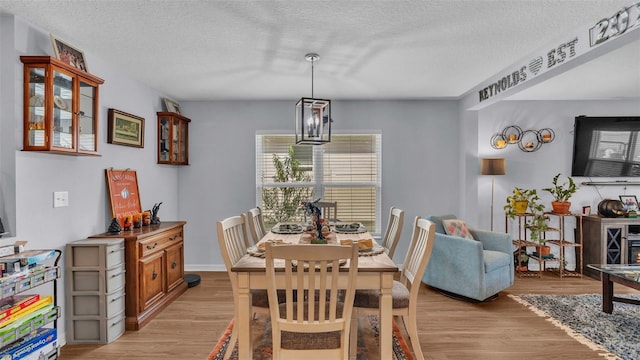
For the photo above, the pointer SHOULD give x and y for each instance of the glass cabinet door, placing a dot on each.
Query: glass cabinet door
(86, 117)
(175, 135)
(164, 141)
(63, 130)
(36, 109)
(183, 143)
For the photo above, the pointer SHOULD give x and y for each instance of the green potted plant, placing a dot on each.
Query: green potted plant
(537, 224)
(561, 194)
(519, 200)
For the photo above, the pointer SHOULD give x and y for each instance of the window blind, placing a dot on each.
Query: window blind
(346, 170)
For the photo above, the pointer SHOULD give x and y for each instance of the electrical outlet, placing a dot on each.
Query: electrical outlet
(60, 199)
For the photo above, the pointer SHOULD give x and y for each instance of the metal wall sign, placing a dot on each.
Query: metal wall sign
(622, 23)
(616, 25)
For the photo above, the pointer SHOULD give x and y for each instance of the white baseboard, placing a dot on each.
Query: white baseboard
(205, 267)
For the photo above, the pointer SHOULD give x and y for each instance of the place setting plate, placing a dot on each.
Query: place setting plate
(375, 250)
(350, 228)
(366, 247)
(287, 229)
(258, 250)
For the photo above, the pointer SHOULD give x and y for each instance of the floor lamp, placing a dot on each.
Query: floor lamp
(492, 166)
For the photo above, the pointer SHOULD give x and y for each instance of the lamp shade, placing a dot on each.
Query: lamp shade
(493, 166)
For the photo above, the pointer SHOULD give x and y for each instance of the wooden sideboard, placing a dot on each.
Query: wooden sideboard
(606, 241)
(154, 263)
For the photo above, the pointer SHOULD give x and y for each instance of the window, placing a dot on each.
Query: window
(346, 170)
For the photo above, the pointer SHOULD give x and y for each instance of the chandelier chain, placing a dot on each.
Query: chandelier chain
(312, 63)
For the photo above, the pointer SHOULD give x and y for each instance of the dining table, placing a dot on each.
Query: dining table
(376, 270)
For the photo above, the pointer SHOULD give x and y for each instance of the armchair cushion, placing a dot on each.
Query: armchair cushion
(494, 260)
(438, 221)
(457, 228)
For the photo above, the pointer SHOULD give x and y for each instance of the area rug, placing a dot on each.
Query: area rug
(368, 344)
(614, 336)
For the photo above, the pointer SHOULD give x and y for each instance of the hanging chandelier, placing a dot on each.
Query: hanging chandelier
(313, 116)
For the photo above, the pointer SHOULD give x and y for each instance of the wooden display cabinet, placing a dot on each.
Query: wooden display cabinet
(606, 241)
(154, 264)
(60, 107)
(173, 139)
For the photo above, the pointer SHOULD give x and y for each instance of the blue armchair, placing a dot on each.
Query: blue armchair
(475, 269)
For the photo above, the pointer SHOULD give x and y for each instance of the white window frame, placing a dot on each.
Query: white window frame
(317, 182)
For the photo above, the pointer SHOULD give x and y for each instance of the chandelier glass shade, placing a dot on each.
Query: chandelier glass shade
(313, 116)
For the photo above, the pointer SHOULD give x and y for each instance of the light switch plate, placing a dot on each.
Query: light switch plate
(60, 199)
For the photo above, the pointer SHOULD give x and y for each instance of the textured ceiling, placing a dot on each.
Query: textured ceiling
(213, 50)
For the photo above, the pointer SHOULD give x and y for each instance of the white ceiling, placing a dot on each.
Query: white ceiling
(416, 49)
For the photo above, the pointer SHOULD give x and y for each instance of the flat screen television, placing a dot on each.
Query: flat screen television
(606, 146)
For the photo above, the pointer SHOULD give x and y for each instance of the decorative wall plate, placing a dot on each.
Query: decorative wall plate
(60, 103)
(36, 100)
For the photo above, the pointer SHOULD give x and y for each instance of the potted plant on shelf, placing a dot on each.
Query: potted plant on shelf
(561, 194)
(519, 200)
(537, 225)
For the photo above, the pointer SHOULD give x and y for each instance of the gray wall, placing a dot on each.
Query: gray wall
(28, 179)
(420, 147)
(537, 169)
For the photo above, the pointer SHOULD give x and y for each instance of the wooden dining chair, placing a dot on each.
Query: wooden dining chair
(328, 210)
(256, 224)
(233, 241)
(405, 290)
(312, 326)
(393, 231)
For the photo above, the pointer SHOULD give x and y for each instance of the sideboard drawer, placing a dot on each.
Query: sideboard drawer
(159, 242)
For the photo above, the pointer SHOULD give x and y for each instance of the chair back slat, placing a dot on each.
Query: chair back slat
(419, 253)
(393, 231)
(232, 238)
(256, 224)
(328, 210)
(233, 242)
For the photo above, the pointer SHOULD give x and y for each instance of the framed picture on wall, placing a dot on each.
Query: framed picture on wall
(68, 54)
(630, 202)
(125, 129)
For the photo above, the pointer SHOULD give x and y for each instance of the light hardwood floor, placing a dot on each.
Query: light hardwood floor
(449, 329)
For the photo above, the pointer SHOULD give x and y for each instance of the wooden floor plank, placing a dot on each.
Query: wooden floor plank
(449, 329)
